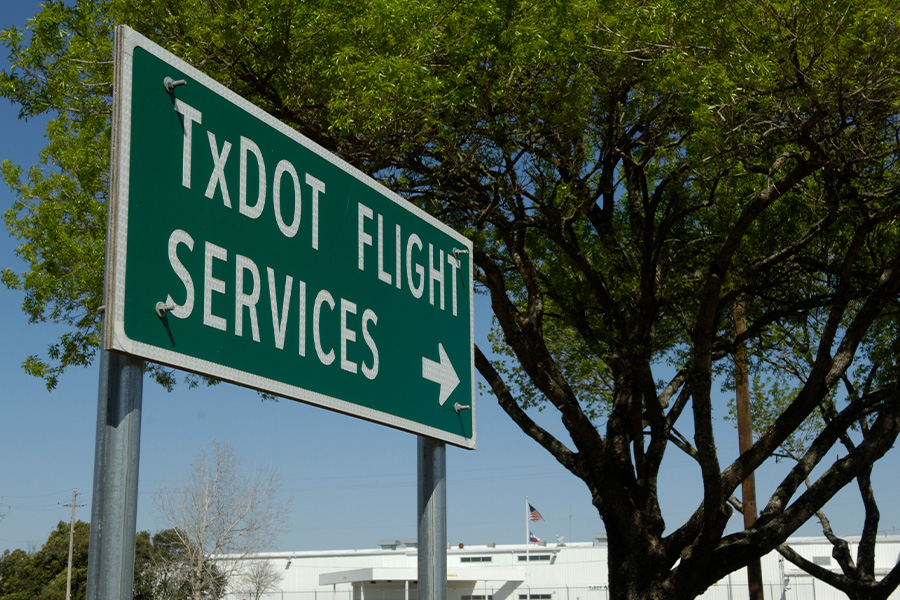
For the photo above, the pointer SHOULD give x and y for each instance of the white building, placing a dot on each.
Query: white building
(574, 571)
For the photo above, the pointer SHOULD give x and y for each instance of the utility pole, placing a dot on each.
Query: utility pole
(745, 441)
(71, 547)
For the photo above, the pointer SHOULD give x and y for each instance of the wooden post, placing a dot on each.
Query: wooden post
(745, 442)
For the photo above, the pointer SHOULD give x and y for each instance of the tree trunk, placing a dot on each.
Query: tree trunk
(634, 572)
(197, 584)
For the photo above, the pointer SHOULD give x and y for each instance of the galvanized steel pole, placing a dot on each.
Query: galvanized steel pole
(116, 457)
(117, 448)
(432, 508)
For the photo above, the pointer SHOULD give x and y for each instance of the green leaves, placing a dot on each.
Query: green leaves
(62, 67)
(627, 170)
(42, 573)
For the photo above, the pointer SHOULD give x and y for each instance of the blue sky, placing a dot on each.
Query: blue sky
(352, 482)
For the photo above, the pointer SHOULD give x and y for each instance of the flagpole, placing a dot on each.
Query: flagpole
(527, 544)
(527, 525)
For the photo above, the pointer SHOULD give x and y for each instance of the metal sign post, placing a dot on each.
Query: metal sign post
(432, 508)
(118, 443)
(114, 503)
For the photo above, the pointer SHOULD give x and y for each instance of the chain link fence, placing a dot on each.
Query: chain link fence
(793, 588)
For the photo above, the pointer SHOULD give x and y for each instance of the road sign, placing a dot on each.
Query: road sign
(241, 250)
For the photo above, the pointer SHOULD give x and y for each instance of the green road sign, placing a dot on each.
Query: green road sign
(241, 250)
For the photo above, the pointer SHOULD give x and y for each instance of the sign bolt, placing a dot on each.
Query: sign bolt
(170, 84)
(162, 308)
(461, 407)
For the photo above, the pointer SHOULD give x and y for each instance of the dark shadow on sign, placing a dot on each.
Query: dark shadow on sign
(165, 322)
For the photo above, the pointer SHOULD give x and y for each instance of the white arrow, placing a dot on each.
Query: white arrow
(441, 373)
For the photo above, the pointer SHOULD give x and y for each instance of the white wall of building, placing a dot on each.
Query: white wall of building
(576, 571)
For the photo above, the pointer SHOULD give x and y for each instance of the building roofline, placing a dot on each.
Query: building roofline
(491, 548)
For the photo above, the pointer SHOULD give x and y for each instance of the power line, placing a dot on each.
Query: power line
(65, 491)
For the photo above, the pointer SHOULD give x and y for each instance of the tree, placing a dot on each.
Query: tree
(857, 577)
(144, 571)
(258, 577)
(16, 573)
(627, 171)
(61, 212)
(41, 575)
(219, 514)
(162, 570)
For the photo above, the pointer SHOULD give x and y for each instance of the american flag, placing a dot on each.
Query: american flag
(533, 514)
